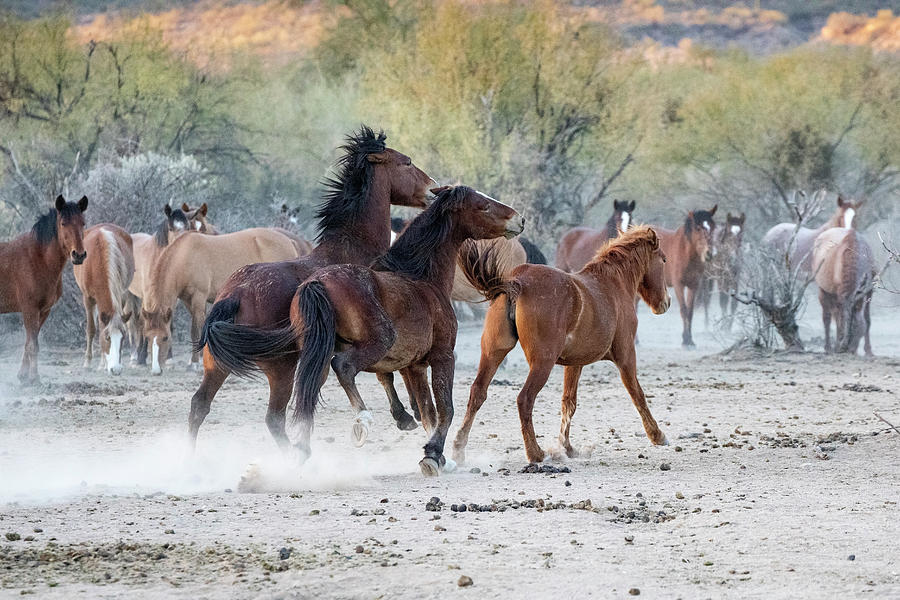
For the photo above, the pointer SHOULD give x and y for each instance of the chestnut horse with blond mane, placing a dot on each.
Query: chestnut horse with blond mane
(593, 318)
(31, 267)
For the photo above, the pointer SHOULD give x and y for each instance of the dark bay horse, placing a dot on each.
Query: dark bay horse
(394, 316)
(354, 227)
(687, 249)
(845, 270)
(567, 319)
(579, 245)
(31, 267)
(103, 279)
(724, 269)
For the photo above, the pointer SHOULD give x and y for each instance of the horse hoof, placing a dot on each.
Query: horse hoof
(407, 423)
(360, 434)
(429, 467)
(664, 441)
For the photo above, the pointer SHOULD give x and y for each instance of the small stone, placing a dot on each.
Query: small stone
(475, 470)
(665, 467)
(169, 531)
(464, 581)
(38, 530)
(284, 553)
(634, 592)
(360, 549)
(678, 449)
(629, 539)
(679, 495)
(851, 557)
(314, 512)
(568, 483)
(13, 537)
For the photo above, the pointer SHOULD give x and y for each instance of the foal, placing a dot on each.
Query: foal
(394, 316)
(566, 319)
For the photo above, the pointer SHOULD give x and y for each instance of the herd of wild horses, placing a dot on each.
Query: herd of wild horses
(376, 296)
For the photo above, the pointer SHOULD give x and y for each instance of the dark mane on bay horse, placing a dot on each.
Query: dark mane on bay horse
(533, 254)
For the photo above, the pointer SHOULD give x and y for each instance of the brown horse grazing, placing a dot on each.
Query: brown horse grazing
(31, 267)
(394, 316)
(354, 227)
(579, 245)
(193, 269)
(688, 248)
(593, 318)
(724, 270)
(779, 236)
(845, 270)
(103, 279)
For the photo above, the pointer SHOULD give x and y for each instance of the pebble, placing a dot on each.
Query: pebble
(475, 470)
(13, 537)
(629, 539)
(284, 553)
(434, 505)
(464, 581)
(679, 495)
(568, 483)
(851, 557)
(634, 592)
(665, 467)
(359, 549)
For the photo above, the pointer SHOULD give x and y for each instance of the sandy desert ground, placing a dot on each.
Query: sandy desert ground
(781, 482)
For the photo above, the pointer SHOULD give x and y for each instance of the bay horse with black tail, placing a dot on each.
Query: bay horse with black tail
(845, 272)
(593, 318)
(579, 245)
(687, 249)
(31, 267)
(103, 279)
(724, 270)
(354, 227)
(394, 316)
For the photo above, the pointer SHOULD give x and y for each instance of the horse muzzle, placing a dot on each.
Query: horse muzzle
(78, 257)
(663, 306)
(514, 227)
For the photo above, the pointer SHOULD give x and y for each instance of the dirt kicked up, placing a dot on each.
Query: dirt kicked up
(779, 481)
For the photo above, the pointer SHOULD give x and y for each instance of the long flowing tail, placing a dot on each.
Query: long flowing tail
(483, 271)
(237, 348)
(316, 336)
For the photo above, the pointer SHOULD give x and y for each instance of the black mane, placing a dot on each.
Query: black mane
(44, 229)
(162, 232)
(345, 194)
(415, 252)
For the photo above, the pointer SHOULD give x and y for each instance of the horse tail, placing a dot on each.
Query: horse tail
(316, 336)
(237, 348)
(483, 271)
(118, 273)
(533, 254)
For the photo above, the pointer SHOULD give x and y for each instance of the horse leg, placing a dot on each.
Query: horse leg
(687, 315)
(627, 364)
(494, 349)
(281, 384)
(213, 378)
(198, 314)
(867, 320)
(826, 319)
(403, 419)
(569, 403)
(30, 318)
(413, 403)
(89, 331)
(442, 367)
(416, 379)
(537, 376)
(348, 363)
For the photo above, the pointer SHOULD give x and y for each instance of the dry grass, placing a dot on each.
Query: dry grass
(881, 32)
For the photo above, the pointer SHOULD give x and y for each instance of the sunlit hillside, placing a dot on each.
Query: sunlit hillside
(881, 32)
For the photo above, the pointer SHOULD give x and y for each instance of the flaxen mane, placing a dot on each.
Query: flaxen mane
(626, 256)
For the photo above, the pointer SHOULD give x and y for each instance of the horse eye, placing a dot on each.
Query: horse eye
(166, 339)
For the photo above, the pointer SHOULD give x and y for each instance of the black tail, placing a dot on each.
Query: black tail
(533, 254)
(237, 348)
(316, 347)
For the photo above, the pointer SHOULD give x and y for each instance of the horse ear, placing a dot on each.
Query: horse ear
(713, 210)
(743, 218)
(689, 223)
(631, 206)
(284, 208)
(83, 204)
(840, 201)
(60, 202)
(185, 207)
(654, 239)
(438, 190)
(617, 205)
(203, 209)
(376, 158)
(168, 210)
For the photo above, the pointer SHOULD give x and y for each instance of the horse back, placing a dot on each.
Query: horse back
(578, 246)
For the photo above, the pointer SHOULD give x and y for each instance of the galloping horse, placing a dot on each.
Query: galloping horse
(779, 236)
(592, 318)
(193, 269)
(394, 316)
(103, 279)
(724, 270)
(31, 267)
(688, 248)
(845, 270)
(354, 227)
(579, 245)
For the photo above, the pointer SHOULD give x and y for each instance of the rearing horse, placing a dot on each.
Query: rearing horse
(687, 250)
(31, 267)
(579, 245)
(354, 227)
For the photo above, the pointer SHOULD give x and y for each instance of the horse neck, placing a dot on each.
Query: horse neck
(51, 254)
(163, 284)
(683, 241)
(628, 275)
(444, 267)
(369, 236)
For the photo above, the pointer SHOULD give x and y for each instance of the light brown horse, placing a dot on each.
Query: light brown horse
(845, 270)
(567, 319)
(354, 227)
(197, 219)
(687, 249)
(394, 316)
(579, 245)
(31, 267)
(103, 279)
(779, 236)
(193, 269)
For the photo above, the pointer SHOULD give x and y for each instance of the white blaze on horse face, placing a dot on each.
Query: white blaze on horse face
(393, 238)
(179, 225)
(154, 353)
(848, 217)
(293, 220)
(198, 225)
(735, 229)
(706, 225)
(626, 218)
(113, 361)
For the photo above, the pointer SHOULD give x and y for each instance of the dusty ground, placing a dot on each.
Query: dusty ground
(782, 483)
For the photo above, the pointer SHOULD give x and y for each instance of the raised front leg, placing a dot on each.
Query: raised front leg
(402, 418)
(627, 364)
(569, 403)
(442, 384)
(90, 330)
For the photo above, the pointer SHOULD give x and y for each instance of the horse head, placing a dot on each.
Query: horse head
(408, 183)
(699, 228)
(196, 217)
(622, 212)
(733, 232)
(112, 331)
(157, 332)
(652, 287)
(477, 216)
(70, 227)
(845, 215)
